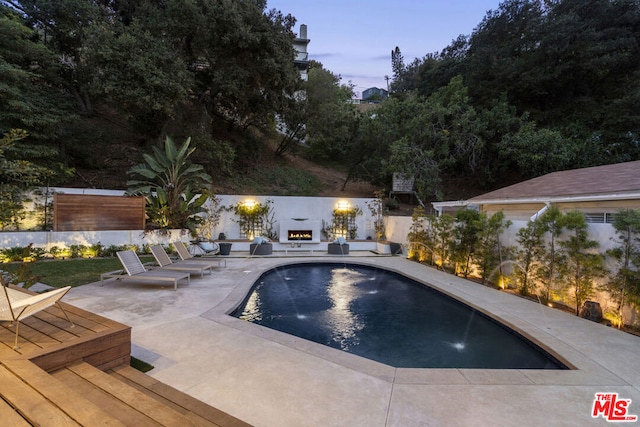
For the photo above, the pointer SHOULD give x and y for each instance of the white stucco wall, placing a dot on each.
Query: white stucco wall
(604, 234)
(284, 208)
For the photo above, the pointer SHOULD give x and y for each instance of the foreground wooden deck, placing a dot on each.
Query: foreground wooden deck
(80, 376)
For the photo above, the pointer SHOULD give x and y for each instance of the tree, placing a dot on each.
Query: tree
(570, 64)
(466, 236)
(397, 65)
(378, 213)
(422, 236)
(16, 176)
(294, 118)
(437, 69)
(31, 97)
(529, 255)
(582, 265)
(332, 120)
(61, 26)
(624, 284)
(499, 52)
(443, 227)
(365, 158)
(428, 137)
(566, 67)
(240, 55)
(137, 70)
(175, 189)
(405, 77)
(538, 152)
(551, 224)
(148, 59)
(489, 253)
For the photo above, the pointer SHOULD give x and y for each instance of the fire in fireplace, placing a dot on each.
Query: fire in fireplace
(300, 235)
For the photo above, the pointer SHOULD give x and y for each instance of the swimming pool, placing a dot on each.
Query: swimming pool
(386, 317)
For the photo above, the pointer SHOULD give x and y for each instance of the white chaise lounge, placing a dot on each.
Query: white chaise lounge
(184, 255)
(134, 270)
(165, 262)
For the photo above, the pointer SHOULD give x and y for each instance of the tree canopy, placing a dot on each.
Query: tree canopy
(229, 63)
(538, 86)
(548, 85)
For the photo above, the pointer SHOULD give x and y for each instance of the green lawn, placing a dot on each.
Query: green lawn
(73, 272)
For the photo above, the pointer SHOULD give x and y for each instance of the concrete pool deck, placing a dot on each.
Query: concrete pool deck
(267, 378)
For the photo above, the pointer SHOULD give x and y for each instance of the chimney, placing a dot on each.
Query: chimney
(303, 31)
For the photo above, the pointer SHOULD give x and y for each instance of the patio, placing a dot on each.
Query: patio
(267, 378)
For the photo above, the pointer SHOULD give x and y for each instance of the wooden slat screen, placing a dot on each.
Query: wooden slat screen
(80, 212)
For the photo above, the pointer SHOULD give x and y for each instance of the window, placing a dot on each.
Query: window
(599, 217)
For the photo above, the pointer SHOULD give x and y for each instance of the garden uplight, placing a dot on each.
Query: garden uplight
(343, 205)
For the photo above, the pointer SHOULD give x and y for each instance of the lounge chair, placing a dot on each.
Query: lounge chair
(165, 262)
(134, 270)
(184, 255)
(16, 305)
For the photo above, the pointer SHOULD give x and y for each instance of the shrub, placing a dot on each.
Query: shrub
(391, 204)
(76, 251)
(19, 253)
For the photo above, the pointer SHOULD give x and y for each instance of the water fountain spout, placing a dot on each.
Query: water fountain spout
(517, 264)
(420, 244)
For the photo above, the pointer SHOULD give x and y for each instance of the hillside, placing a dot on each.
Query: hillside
(114, 149)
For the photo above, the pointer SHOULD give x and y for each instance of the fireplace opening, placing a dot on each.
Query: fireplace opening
(300, 235)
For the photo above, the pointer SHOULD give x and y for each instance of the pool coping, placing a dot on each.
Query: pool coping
(583, 369)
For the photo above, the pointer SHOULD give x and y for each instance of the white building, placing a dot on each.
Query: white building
(301, 60)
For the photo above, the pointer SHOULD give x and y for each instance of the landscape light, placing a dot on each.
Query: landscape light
(343, 205)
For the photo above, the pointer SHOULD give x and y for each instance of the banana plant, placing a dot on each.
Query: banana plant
(175, 188)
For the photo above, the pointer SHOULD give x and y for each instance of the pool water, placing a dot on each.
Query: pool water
(386, 317)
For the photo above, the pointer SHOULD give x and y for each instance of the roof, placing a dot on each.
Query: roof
(615, 179)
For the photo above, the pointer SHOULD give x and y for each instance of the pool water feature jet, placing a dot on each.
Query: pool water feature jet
(517, 264)
(285, 280)
(410, 245)
(462, 344)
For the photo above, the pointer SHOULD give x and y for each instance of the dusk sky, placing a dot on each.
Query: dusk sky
(354, 38)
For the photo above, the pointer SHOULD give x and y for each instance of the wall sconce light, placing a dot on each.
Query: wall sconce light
(249, 204)
(343, 205)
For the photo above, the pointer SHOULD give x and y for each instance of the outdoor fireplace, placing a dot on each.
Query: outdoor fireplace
(300, 231)
(305, 235)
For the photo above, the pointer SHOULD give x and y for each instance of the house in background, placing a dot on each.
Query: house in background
(374, 94)
(301, 60)
(598, 192)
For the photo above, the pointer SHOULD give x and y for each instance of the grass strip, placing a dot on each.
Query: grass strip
(140, 365)
(71, 272)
